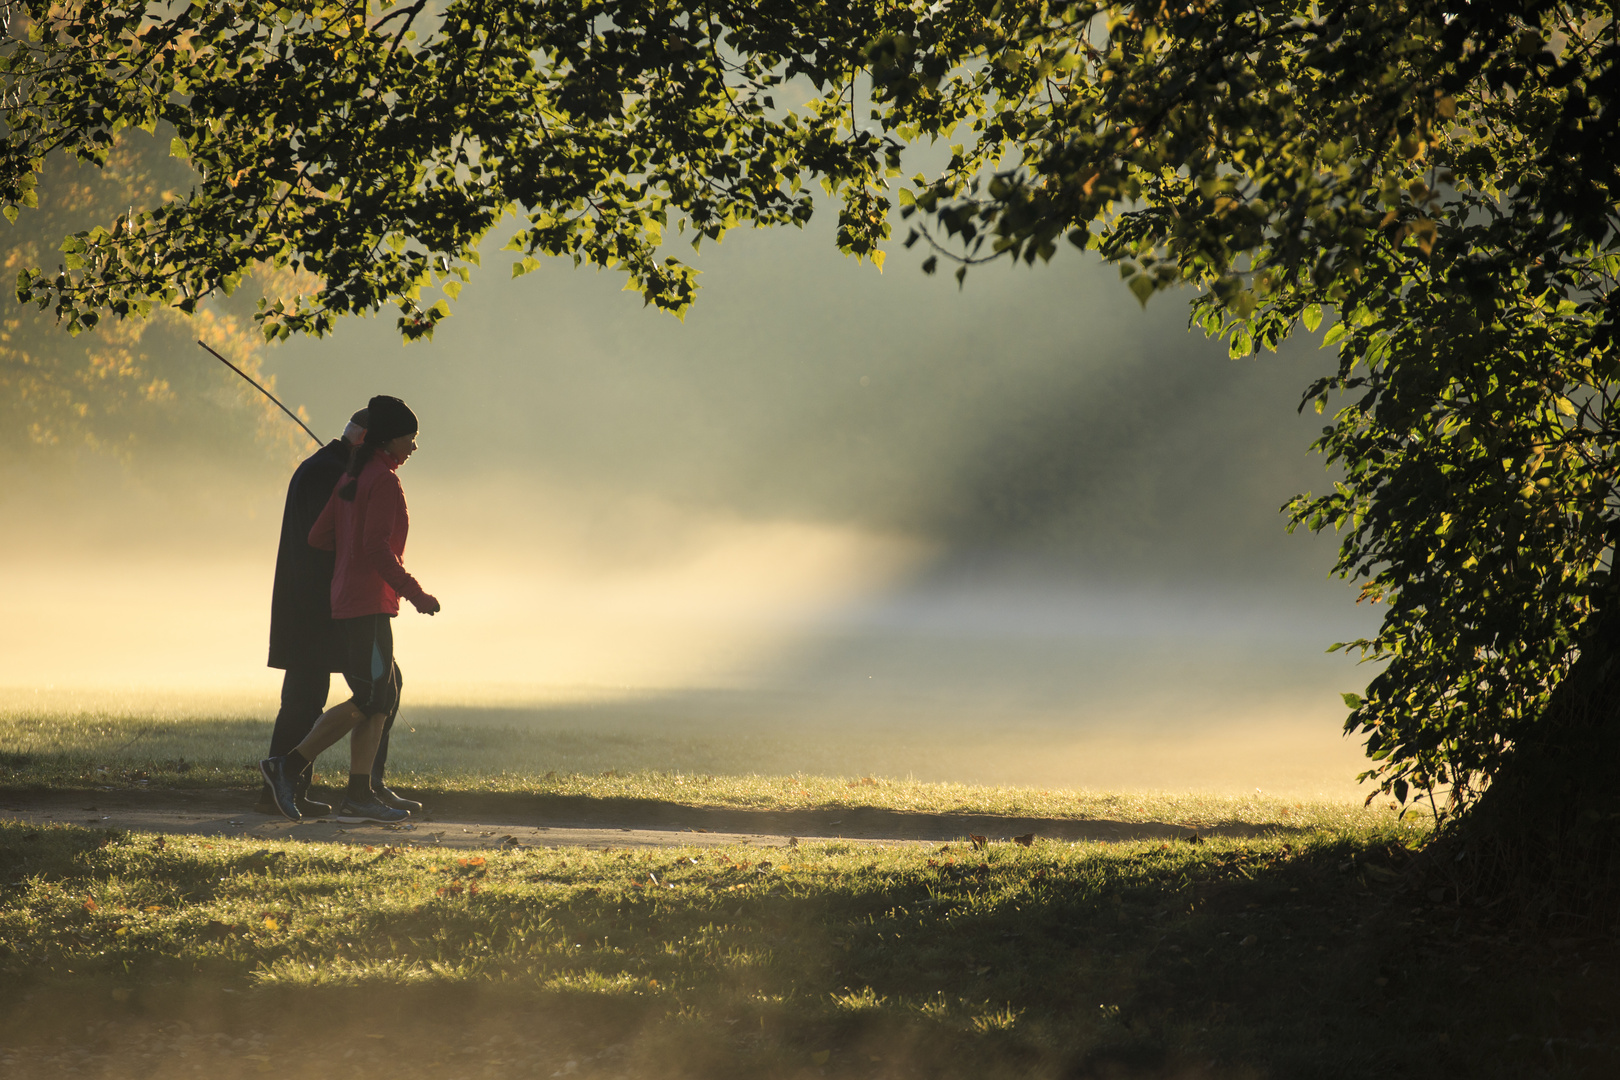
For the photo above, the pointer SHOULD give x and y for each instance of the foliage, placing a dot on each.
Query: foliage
(1441, 178)
(1435, 180)
(136, 381)
(377, 151)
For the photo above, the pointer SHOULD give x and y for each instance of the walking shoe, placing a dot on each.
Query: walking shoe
(310, 808)
(389, 797)
(281, 787)
(357, 810)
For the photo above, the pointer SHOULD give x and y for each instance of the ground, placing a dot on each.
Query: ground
(151, 925)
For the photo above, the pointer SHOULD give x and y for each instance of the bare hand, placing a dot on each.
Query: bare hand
(428, 605)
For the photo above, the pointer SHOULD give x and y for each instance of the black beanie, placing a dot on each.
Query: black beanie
(390, 418)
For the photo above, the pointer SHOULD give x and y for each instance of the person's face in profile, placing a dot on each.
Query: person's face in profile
(402, 447)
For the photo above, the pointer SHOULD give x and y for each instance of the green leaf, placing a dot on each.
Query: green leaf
(1312, 317)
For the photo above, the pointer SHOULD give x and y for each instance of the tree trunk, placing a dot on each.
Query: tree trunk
(1545, 836)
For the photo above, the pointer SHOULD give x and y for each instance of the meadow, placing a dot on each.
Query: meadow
(724, 764)
(1319, 946)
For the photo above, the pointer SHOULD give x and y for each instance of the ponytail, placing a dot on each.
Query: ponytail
(359, 457)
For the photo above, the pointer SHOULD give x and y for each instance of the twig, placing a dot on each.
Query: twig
(263, 391)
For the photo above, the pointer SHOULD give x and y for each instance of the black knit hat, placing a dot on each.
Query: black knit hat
(390, 418)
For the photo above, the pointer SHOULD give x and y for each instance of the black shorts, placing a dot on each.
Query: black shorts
(368, 662)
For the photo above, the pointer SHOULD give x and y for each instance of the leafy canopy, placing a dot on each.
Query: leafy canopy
(1435, 181)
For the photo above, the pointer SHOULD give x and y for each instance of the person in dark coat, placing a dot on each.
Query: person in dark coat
(366, 523)
(303, 641)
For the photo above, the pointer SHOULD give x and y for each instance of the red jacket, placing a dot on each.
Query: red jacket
(368, 535)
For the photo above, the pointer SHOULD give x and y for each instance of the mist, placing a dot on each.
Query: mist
(1020, 532)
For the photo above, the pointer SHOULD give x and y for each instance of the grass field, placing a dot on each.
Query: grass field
(1311, 950)
(134, 956)
(90, 750)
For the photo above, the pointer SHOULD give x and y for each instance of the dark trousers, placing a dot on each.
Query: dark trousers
(303, 699)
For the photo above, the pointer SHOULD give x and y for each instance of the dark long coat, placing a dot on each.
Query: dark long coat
(301, 631)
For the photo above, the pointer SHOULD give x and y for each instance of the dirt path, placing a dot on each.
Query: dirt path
(483, 821)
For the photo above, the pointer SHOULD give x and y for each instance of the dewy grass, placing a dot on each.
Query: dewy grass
(1232, 958)
(88, 750)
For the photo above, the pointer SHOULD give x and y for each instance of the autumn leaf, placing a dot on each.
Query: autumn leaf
(979, 842)
(1026, 840)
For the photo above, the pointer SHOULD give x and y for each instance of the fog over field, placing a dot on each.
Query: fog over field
(1020, 532)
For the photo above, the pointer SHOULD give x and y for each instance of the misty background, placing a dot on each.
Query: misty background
(1021, 532)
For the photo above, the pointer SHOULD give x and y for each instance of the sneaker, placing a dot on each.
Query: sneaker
(389, 797)
(312, 807)
(308, 807)
(281, 787)
(356, 810)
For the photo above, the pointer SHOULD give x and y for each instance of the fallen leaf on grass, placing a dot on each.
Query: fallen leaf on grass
(1027, 840)
(477, 860)
(979, 842)
(271, 924)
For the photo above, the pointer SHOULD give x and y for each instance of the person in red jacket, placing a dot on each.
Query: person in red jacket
(365, 522)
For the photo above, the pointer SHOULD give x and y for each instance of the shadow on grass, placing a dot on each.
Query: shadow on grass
(1148, 961)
